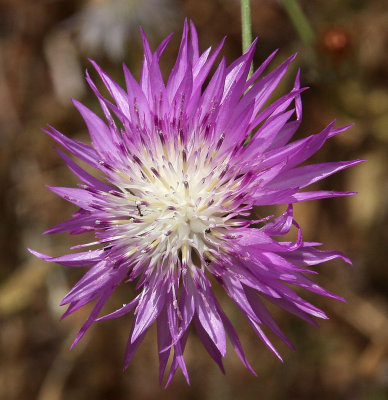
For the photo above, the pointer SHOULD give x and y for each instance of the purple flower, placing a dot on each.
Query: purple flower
(173, 207)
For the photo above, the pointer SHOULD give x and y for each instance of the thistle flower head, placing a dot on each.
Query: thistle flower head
(179, 175)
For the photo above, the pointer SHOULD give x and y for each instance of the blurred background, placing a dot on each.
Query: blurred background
(44, 47)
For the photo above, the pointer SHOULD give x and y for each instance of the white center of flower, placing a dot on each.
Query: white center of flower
(175, 205)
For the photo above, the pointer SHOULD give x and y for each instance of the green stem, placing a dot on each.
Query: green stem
(246, 24)
(299, 20)
(246, 28)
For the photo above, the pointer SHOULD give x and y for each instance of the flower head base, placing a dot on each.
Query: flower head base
(175, 203)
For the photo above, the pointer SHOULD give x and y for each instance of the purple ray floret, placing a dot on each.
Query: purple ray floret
(179, 172)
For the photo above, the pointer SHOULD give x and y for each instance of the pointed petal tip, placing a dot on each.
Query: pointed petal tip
(322, 315)
(35, 253)
(64, 302)
(278, 356)
(192, 25)
(341, 299)
(252, 45)
(167, 384)
(125, 366)
(79, 106)
(291, 346)
(144, 36)
(77, 339)
(169, 380)
(41, 256)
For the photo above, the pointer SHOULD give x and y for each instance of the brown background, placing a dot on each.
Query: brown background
(44, 46)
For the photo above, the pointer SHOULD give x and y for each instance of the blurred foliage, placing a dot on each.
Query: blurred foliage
(44, 46)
